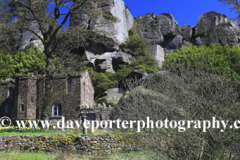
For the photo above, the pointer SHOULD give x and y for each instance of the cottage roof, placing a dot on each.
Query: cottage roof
(58, 75)
(8, 81)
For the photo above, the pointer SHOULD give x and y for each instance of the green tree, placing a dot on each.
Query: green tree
(138, 48)
(28, 61)
(50, 17)
(102, 81)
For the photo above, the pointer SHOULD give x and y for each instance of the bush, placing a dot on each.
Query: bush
(137, 47)
(213, 58)
(29, 61)
(101, 81)
(195, 95)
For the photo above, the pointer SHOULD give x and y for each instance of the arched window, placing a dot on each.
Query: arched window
(69, 83)
(57, 110)
(10, 94)
(6, 109)
(83, 90)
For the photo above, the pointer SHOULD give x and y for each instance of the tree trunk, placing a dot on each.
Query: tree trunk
(48, 79)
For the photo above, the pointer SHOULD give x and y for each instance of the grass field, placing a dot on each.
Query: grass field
(68, 156)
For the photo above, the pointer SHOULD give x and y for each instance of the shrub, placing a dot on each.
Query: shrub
(137, 47)
(29, 61)
(102, 81)
(212, 58)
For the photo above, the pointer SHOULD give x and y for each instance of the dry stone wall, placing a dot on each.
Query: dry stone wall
(90, 145)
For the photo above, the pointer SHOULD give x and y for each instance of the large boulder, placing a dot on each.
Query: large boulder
(169, 26)
(29, 38)
(90, 58)
(110, 97)
(157, 53)
(187, 32)
(173, 43)
(115, 8)
(213, 27)
(157, 28)
(141, 101)
(149, 30)
(131, 80)
(110, 61)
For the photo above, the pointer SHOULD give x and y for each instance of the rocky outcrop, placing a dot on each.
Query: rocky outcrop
(158, 54)
(110, 97)
(29, 38)
(148, 29)
(131, 80)
(186, 32)
(173, 43)
(110, 61)
(115, 8)
(157, 28)
(162, 31)
(213, 27)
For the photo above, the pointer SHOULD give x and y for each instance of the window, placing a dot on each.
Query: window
(6, 109)
(10, 94)
(31, 99)
(22, 107)
(83, 90)
(69, 83)
(57, 110)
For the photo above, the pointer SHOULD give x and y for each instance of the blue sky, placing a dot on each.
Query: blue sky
(184, 11)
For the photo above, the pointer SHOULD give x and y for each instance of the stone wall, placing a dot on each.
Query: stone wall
(26, 97)
(66, 94)
(98, 144)
(29, 93)
(4, 98)
(87, 95)
(98, 111)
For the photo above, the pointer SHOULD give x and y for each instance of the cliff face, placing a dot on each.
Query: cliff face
(216, 28)
(212, 27)
(162, 31)
(116, 8)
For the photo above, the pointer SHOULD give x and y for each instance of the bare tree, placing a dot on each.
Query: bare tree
(189, 94)
(50, 19)
(234, 6)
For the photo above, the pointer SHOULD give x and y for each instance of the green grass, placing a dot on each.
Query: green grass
(14, 155)
(72, 131)
(52, 132)
(43, 132)
(25, 156)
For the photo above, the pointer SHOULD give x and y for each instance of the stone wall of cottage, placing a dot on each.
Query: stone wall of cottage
(26, 97)
(29, 91)
(87, 96)
(90, 145)
(68, 95)
(5, 99)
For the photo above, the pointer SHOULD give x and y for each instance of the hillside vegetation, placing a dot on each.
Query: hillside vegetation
(213, 58)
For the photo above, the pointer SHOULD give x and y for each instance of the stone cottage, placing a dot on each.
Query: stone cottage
(22, 98)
